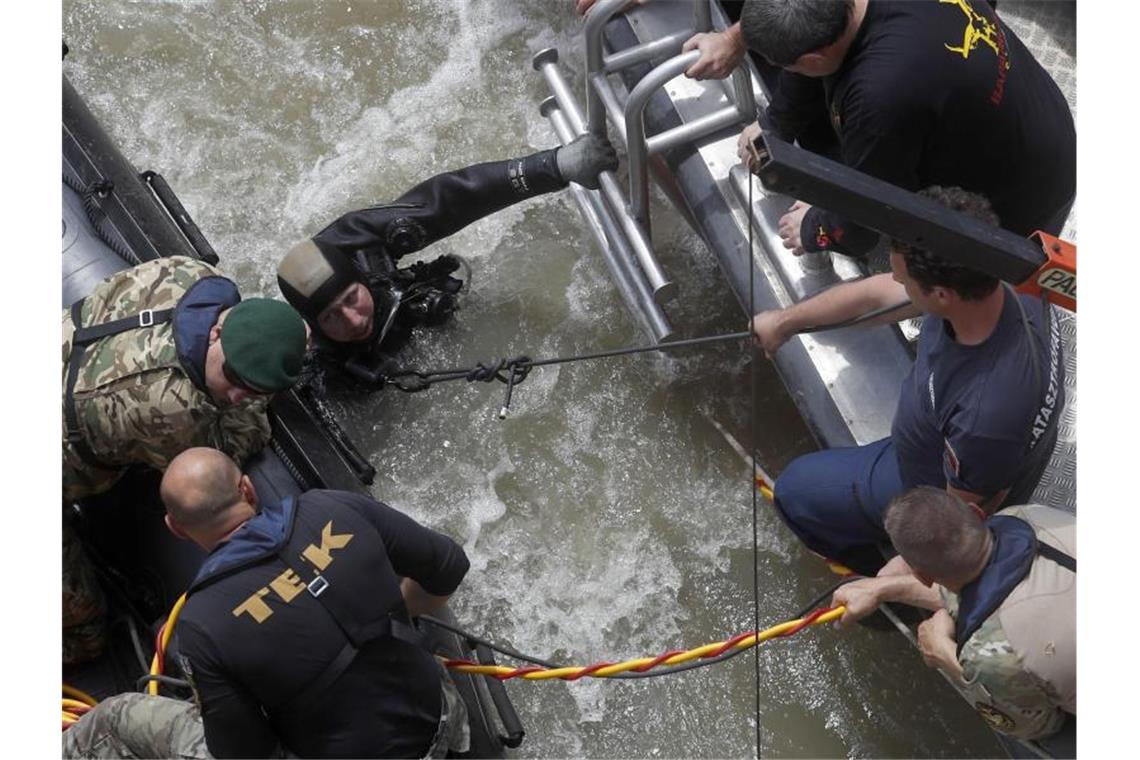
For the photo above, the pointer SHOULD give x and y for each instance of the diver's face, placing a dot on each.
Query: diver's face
(348, 319)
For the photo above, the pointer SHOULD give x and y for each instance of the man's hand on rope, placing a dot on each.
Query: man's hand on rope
(769, 331)
(861, 598)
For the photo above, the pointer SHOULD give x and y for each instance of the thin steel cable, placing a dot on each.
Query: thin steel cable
(752, 475)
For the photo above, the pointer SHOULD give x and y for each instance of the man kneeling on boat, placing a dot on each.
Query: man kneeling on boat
(977, 414)
(296, 634)
(1004, 594)
(361, 306)
(158, 358)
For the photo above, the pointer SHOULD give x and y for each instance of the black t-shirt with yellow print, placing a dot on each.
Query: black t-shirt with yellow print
(944, 93)
(256, 638)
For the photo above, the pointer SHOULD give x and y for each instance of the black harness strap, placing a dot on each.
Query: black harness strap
(386, 627)
(1058, 556)
(84, 337)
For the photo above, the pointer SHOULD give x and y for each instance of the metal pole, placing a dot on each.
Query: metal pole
(635, 131)
(627, 277)
(545, 62)
(693, 130)
(609, 98)
(595, 24)
(662, 289)
(663, 47)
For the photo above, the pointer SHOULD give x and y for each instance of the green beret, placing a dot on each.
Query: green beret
(264, 343)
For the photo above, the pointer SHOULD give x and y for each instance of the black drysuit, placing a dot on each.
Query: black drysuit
(375, 238)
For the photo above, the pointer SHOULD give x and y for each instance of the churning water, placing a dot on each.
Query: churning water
(608, 517)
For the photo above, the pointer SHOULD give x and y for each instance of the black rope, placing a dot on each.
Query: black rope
(752, 475)
(136, 643)
(817, 601)
(90, 195)
(511, 372)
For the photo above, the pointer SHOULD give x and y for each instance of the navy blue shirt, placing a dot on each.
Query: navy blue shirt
(967, 414)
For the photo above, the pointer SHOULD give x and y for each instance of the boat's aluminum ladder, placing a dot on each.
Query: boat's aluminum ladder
(622, 228)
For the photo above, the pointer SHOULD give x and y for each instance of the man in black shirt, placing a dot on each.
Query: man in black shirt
(920, 93)
(345, 280)
(296, 633)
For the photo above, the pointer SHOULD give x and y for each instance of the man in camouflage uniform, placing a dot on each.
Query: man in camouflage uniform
(1005, 623)
(137, 725)
(146, 376)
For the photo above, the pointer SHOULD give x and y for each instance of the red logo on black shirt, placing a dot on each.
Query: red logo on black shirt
(822, 239)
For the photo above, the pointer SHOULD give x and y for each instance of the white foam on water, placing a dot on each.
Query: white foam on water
(404, 130)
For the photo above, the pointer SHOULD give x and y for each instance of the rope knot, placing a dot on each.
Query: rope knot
(485, 373)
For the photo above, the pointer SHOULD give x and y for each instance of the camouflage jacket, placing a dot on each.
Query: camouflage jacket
(1020, 664)
(134, 400)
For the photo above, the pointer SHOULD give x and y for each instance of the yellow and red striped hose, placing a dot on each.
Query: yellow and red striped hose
(75, 703)
(641, 665)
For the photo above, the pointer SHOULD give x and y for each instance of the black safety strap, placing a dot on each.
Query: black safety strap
(84, 337)
(388, 626)
(1058, 556)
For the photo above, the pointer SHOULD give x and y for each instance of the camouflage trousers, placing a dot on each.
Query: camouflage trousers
(136, 725)
(143, 726)
(454, 731)
(84, 604)
(81, 479)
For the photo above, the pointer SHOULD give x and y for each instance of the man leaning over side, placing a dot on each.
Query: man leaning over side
(1004, 592)
(156, 359)
(919, 93)
(977, 413)
(169, 357)
(296, 633)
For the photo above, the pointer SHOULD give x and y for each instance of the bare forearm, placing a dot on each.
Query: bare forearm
(417, 601)
(908, 590)
(847, 301)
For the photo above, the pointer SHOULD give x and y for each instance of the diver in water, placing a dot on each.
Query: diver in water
(362, 305)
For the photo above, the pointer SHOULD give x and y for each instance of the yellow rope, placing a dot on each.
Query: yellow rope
(167, 632)
(80, 695)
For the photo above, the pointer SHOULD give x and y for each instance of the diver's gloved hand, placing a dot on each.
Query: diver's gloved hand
(584, 159)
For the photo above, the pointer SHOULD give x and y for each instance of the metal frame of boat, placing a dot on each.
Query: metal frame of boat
(845, 382)
(113, 218)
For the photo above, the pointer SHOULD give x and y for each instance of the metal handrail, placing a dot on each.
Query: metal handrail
(659, 288)
(635, 131)
(612, 240)
(596, 20)
(667, 46)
